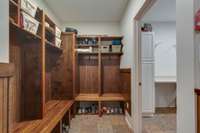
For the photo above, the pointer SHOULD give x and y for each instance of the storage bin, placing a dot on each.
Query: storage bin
(28, 23)
(116, 42)
(47, 25)
(95, 50)
(58, 42)
(58, 32)
(29, 7)
(105, 48)
(116, 48)
(106, 42)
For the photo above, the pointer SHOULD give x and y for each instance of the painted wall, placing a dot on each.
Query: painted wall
(185, 62)
(185, 66)
(4, 34)
(127, 60)
(95, 28)
(165, 49)
(165, 63)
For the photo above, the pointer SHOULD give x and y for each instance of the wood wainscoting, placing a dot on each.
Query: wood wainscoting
(6, 72)
(125, 76)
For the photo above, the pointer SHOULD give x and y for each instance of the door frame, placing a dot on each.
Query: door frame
(138, 66)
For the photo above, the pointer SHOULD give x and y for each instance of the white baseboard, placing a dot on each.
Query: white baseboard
(128, 121)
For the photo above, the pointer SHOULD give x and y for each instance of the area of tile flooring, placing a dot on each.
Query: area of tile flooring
(96, 124)
(160, 123)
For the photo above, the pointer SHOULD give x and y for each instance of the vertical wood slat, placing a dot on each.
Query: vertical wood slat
(3, 105)
(99, 68)
(42, 52)
(5, 74)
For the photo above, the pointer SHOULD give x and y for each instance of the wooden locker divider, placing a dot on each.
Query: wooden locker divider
(37, 61)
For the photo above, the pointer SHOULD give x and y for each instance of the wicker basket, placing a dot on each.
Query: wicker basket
(116, 48)
(28, 23)
(29, 7)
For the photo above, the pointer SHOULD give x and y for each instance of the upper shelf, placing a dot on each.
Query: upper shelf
(24, 32)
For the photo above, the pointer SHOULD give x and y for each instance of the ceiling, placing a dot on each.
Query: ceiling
(162, 10)
(88, 10)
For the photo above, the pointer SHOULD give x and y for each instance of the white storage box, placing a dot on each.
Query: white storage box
(116, 48)
(29, 7)
(106, 42)
(47, 25)
(58, 42)
(58, 32)
(105, 48)
(28, 23)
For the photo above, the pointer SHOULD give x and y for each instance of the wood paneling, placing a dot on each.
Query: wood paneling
(26, 91)
(88, 72)
(110, 73)
(6, 70)
(31, 81)
(3, 105)
(59, 70)
(6, 73)
(125, 76)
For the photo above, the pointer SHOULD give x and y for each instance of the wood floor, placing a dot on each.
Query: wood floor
(96, 124)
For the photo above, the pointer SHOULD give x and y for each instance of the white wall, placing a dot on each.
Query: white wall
(165, 49)
(185, 62)
(127, 61)
(95, 28)
(185, 66)
(165, 63)
(4, 34)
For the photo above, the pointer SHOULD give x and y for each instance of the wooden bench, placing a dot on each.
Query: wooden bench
(54, 112)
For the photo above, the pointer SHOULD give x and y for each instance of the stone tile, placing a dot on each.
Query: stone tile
(160, 123)
(96, 124)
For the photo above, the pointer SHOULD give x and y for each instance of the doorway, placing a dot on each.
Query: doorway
(156, 65)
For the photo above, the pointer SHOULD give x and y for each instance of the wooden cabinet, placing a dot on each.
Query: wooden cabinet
(148, 89)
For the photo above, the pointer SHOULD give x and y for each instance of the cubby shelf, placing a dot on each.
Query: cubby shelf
(97, 74)
(52, 46)
(24, 32)
(50, 30)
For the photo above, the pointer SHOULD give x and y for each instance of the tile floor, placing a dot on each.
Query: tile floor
(96, 124)
(160, 123)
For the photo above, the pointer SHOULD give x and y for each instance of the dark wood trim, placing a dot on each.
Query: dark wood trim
(125, 70)
(165, 110)
(197, 91)
(6, 70)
